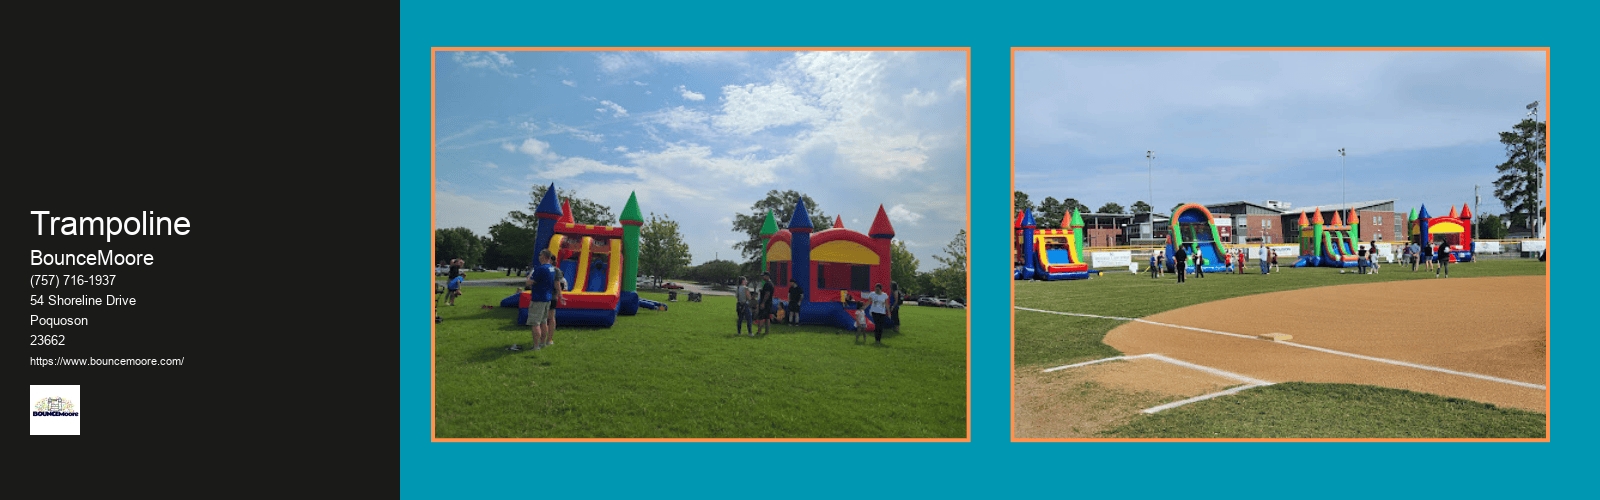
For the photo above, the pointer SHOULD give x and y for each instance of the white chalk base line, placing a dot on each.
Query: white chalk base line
(1517, 383)
(1250, 383)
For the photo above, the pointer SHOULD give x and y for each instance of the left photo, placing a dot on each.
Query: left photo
(700, 244)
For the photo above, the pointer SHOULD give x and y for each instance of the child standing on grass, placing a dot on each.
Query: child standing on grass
(453, 290)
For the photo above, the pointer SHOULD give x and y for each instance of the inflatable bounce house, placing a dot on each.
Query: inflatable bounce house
(1048, 254)
(1329, 245)
(1452, 229)
(1194, 229)
(600, 263)
(829, 265)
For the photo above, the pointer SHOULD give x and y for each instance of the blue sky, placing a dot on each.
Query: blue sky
(701, 136)
(1420, 127)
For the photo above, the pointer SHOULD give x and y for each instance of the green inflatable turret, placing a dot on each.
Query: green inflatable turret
(631, 220)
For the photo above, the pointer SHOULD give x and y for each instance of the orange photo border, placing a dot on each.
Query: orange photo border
(433, 147)
(1547, 174)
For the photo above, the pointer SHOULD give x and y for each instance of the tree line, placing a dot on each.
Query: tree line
(663, 253)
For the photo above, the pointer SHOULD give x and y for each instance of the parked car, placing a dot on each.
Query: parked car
(478, 268)
(441, 271)
(671, 286)
(956, 304)
(931, 302)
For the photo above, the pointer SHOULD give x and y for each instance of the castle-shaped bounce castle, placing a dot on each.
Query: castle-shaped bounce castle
(600, 264)
(829, 265)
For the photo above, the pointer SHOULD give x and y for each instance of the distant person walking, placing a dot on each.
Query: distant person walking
(1427, 257)
(1361, 260)
(1182, 261)
(898, 296)
(1199, 260)
(1374, 254)
(1443, 254)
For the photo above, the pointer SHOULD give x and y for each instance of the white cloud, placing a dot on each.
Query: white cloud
(681, 118)
(752, 108)
(569, 83)
(919, 98)
(639, 83)
(615, 109)
(488, 164)
(699, 57)
(532, 147)
(528, 126)
(620, 149)
(494, 61)
(690, 94)
(575, 166)
(461, 210)
(613, 62)
(958, 85)
(577, 132)
(899, 213)
(698, 161)
(745, 150)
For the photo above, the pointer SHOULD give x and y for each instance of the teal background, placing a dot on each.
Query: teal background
(990, 463)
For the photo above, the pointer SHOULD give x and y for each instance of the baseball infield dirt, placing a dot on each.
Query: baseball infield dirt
(1085, 400)
(1488, 326)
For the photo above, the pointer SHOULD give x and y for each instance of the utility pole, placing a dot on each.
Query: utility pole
(1341, 177)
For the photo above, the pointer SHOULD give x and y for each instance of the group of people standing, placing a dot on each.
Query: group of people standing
(756, 311)
(1183, 257)
(1428, 256)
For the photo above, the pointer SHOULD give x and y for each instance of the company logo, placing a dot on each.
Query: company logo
(54, 407)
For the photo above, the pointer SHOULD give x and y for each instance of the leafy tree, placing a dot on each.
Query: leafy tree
(513, 243)
(1109, 208)
(584, 210)
(1050, 213)
(951, 278)
(1140, 207)
(1019, 202)
(662, 251)
(902, 264)
(1069, 204)
(781, 204)
(458, 242)
(1520, 175)
(1491, 227)
(716, 271)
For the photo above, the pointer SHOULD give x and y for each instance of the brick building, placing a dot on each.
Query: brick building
(1242, 222)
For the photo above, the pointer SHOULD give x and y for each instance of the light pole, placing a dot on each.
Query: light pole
(1536, 217)
(1150, 215)
(1341, 177)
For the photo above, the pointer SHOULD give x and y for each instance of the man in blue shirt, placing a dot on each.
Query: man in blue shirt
(542, 290)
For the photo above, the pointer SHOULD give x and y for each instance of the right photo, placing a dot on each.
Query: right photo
(1300, 244)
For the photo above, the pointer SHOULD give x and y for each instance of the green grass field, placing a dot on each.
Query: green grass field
(683, 374)
(1041, 340)
(1302, 410)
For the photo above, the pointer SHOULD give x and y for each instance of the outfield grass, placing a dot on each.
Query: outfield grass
(1305, 410)
(1283, 410)
(683, 374)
